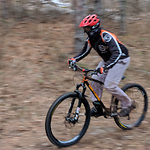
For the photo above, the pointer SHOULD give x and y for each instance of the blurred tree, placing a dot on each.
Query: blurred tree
(4, 16)
(98, 9)
(94, 7)
(137, 7)
(37, 10)
(134, 7)
(79, 14)
(83, 8)
(4, 9)
(20, 9)
(122, 14)
(89, 7)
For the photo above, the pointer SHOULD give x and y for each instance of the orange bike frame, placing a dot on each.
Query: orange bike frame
(85, 81)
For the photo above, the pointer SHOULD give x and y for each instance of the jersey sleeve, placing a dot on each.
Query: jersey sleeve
(112, 42)
(85, 51)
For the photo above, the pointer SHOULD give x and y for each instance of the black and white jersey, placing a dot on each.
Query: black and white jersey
(107, 46)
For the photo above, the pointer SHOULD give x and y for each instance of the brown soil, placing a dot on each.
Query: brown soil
(35, 72)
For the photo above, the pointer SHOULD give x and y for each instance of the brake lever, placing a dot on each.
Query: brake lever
(73, 65)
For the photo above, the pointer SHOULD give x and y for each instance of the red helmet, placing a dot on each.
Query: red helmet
(90, 20)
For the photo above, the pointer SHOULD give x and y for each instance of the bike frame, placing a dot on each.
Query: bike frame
(85, 82)
(82, 95)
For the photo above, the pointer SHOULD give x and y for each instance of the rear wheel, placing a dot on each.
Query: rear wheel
(137, 94)
(61, 127)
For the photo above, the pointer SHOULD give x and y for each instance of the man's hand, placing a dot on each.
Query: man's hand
(101, 70)
(71, 61)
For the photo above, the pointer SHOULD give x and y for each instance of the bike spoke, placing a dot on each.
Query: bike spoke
(135, 95)
(63, 129)
(138, 95)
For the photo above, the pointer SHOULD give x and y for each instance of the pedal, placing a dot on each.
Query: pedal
(96, 116)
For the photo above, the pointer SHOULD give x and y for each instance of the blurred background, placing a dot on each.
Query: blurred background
(127, 17)
(36, 39)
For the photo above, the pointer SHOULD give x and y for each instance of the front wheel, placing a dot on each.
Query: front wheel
(137, 94)
(62, 126)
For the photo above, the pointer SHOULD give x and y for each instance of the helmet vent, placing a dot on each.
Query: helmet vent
(90, 20)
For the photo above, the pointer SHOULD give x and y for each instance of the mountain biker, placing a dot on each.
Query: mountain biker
(111, 69)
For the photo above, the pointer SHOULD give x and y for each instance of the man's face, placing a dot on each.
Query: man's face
(87, 29)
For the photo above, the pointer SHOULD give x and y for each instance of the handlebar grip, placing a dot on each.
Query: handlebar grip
(73, 65)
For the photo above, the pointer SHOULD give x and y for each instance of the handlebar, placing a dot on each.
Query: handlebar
(75, 67)
(93, 71)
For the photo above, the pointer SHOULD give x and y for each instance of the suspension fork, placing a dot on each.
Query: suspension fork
(81, 95)
(76, 116)
(71, 106)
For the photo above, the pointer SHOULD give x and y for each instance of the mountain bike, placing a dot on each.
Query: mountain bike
(69, 116)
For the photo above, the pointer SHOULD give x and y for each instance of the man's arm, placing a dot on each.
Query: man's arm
(85, 51)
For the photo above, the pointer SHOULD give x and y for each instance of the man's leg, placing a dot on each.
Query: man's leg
(96, 86)
(112, 80)
(97, 109)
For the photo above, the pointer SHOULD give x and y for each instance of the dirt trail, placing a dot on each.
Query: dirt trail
(35, 73)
